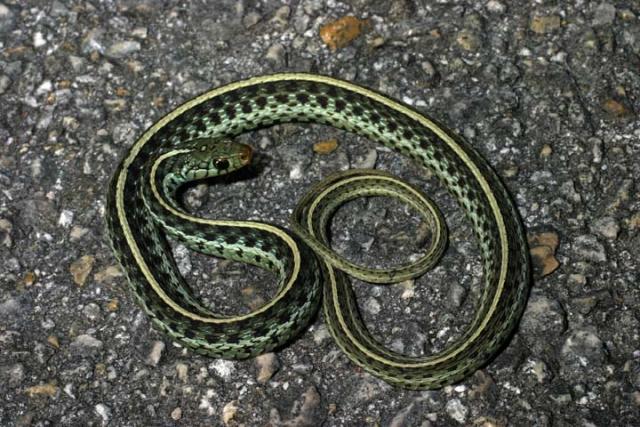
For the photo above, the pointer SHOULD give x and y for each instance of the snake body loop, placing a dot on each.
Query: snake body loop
(142, 209)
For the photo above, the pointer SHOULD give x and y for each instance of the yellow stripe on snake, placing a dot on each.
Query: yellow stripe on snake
(195, 141)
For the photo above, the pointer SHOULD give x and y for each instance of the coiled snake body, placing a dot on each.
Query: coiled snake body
(194, 142)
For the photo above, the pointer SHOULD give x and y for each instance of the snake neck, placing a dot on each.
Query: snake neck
(196, 160)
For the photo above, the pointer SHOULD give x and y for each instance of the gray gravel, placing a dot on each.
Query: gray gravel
(547, 91)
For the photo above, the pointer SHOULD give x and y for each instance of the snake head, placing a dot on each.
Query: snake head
(210, 157)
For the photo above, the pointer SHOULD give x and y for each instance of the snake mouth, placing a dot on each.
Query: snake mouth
(246, 154)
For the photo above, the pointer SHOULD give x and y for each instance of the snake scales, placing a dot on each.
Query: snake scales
(195, 141)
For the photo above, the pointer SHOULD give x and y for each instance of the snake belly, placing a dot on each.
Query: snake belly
(243, 106)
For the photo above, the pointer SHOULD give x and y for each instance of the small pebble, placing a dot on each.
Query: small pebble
(546, 150)
(121, 49)
(484, 387)
(340, 33)
(276, 54)
(182, 370)
(30, 278)
(585, 304)
(468, 40)
(66, 218)
(5, 82)
(181, 255)
(544, 260)
(308, 411)
(615, 108)
(325, 147)
(496, 6)
(456, 295)
(85, 345)
(77, 233)
(408, 289)
(568, 189)
(606, 227)
(140, 32)
(577, 280)
(38, 39)
(251, 19)
(372, 306)
(224, 368)
(104, 412)
(583, 347)
(156, 353)
(400, 419)
(49, 390)
(229, 412)
(542, 248)
(321, 334)
(176, 414)
(544, 24)
(457, 410)
(268, 365)
(281, 17)
(368, 161)
(543, 316)
(538, 369)
(604, 14)
(81, 268)
(588, 248)
(53, 341)
(302, 368)
(91, 311)
(108, 275)
(429, 70)
(112, 305)
(6, 228)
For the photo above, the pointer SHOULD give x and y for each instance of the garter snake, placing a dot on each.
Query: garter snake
(195, 141)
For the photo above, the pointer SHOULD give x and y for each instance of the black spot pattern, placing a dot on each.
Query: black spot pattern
(230, 111)
(323, 101)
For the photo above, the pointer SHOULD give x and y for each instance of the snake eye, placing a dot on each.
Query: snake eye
(221, 164)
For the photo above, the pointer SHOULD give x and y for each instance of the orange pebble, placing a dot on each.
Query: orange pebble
(340, 32)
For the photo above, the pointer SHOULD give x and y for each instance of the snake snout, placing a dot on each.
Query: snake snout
(246, 154)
